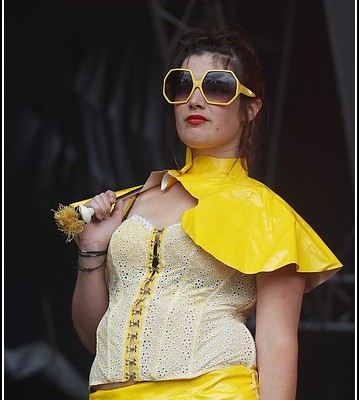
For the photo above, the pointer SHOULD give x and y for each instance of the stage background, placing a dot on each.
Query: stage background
(84, 112)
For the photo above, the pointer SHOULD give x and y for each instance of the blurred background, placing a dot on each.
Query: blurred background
(84, 112)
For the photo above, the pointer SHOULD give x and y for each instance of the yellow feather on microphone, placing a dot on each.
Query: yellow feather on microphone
(68, 221)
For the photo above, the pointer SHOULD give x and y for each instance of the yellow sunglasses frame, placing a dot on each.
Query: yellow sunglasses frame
(198, 84)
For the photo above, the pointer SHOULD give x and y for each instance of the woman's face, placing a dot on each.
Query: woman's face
(217, 130)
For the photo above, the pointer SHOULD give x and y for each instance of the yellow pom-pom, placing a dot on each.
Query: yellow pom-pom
(69, 221)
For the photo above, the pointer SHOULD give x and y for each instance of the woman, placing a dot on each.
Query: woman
(168, 276)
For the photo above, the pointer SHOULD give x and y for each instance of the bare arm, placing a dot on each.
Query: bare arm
(89, 302)
(90, 298)
(279, 301)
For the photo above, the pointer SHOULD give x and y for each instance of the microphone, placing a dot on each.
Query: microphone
(72, 219)
(86, 213)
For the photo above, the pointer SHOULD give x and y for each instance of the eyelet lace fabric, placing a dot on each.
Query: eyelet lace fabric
(175, 312)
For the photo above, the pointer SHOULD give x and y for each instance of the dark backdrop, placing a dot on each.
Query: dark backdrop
(84, 112)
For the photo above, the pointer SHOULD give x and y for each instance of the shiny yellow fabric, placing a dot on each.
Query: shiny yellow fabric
(247, 226)
(234, 383)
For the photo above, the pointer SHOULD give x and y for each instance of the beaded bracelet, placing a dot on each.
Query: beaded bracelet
(83, 253)
(83, 269)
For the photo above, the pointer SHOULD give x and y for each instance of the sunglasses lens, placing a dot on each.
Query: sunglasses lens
(178, 85)
(219, 87)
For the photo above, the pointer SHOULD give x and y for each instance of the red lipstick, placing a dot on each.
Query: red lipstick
(195, 119)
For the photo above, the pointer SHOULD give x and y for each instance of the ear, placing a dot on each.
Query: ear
(253, 107)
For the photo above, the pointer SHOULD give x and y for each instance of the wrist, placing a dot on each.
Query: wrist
(88, 253)
(92, 247)
(90, 262)
(82, 268)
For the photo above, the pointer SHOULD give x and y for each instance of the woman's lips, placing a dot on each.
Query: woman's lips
(196, 119)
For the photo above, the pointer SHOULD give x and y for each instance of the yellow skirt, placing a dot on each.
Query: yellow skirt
(233, 383)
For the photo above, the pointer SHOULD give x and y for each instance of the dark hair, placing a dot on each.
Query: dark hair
(231, 47)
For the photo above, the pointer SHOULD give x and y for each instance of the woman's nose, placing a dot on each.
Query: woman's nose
(196, 100)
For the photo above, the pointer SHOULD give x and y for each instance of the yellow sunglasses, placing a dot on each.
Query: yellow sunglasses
(217, 86)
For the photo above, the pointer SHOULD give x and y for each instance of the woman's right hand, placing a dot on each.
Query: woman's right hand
(96, 234)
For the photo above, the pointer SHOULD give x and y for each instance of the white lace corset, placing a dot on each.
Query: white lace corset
(174, 312)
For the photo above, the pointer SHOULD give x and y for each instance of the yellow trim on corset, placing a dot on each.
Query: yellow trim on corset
(154, 265)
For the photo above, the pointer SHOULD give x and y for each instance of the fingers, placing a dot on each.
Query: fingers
(117, 212)
(102, 204)
(111, 195)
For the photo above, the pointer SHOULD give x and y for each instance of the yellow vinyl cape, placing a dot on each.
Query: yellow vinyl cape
(243, 223)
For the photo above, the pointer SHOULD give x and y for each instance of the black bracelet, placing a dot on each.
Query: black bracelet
(83, 269)
(83, 253)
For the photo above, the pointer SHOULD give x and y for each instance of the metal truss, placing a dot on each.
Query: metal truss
(170, 20)
(330, 307)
